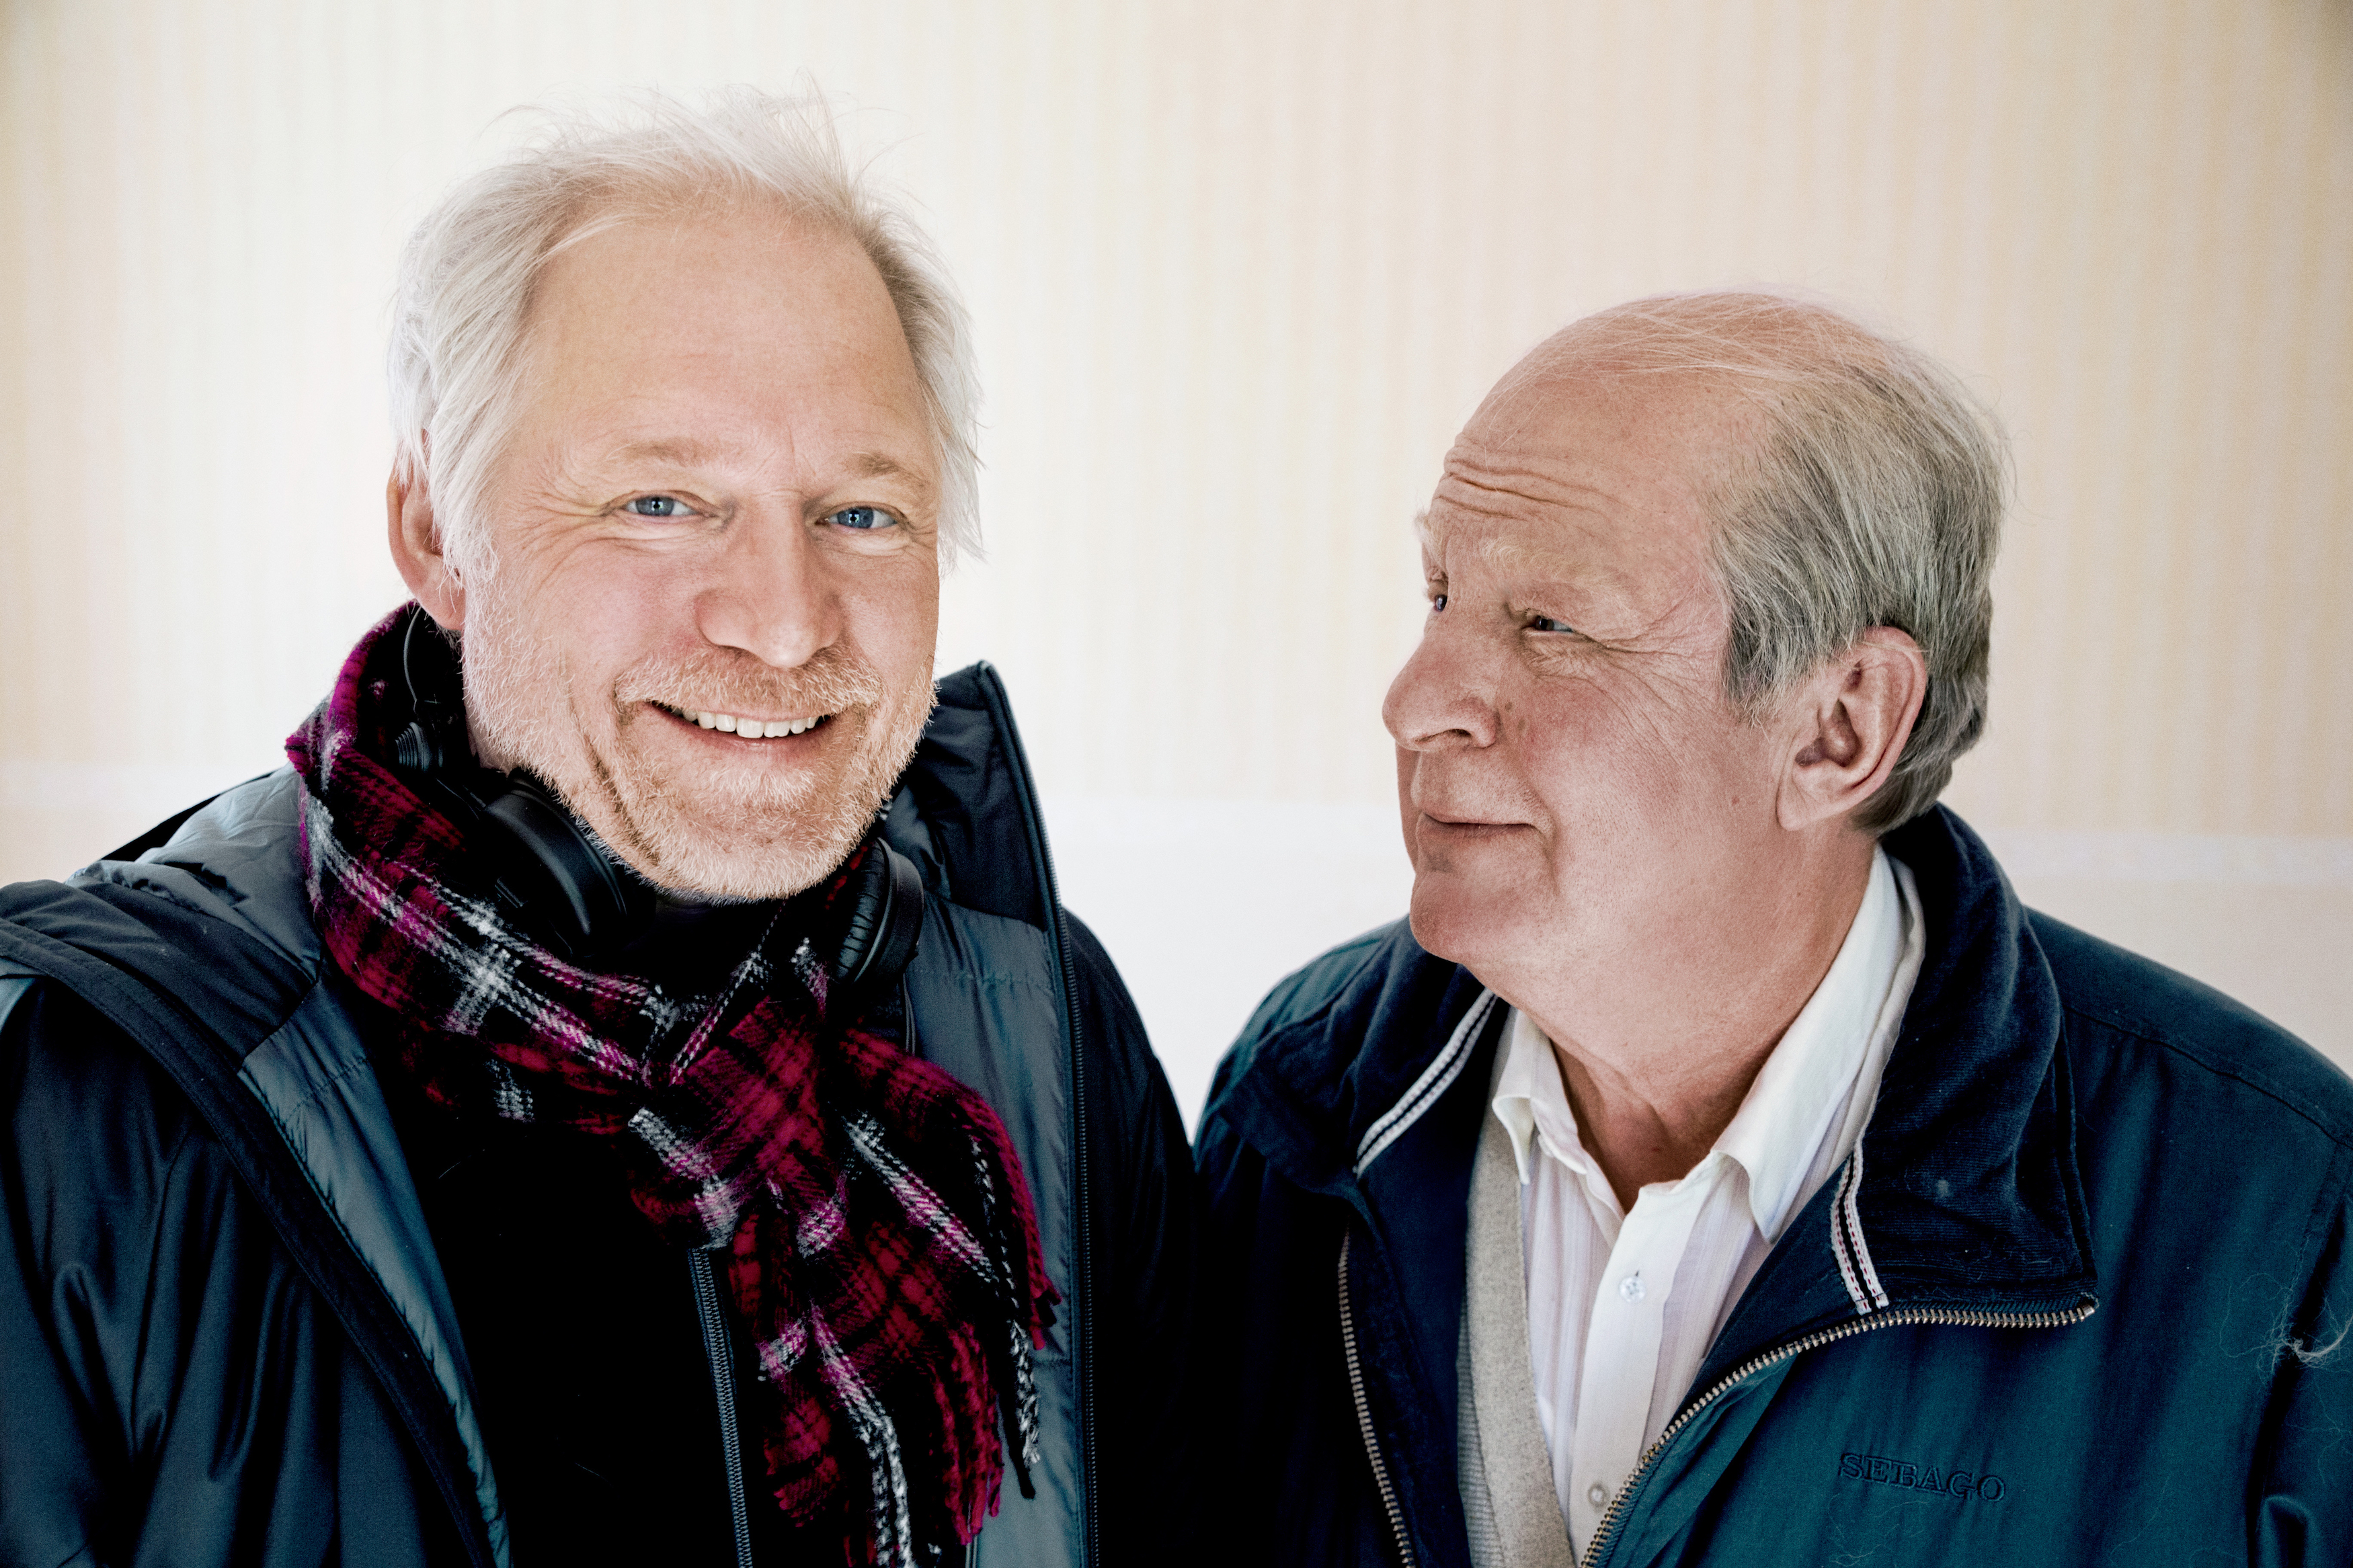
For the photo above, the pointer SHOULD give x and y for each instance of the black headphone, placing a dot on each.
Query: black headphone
(554, 877)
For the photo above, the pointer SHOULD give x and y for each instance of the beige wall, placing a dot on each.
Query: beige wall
(1239, 267)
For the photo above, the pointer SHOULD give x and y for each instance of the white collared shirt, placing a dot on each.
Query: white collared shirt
(1622, 1307)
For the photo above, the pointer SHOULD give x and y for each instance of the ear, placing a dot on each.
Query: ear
(1851, 721)
(416, 548)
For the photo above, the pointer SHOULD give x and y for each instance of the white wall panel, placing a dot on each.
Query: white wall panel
(1239, 270)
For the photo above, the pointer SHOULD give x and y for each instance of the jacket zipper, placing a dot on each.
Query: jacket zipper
(1389, 1503)
(1083, 1288)
(723, 1378)
(1888, 1317)
(1084, 1293)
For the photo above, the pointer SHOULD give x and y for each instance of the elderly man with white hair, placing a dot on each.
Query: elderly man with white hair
(1720, 1165)
(628, 1091)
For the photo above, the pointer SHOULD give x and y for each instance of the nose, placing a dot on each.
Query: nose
(1443, 700)
(773, 596)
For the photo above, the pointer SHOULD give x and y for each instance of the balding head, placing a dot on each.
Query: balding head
(1708, 582)
(1851, 481)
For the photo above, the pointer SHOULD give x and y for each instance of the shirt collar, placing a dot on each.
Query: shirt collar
(1804, 1083)
(1811, 1074)
(1528, 1074)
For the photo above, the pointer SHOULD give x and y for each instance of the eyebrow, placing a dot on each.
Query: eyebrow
(683, 451)
(1506, 553)
(879, 466)
(689, 452)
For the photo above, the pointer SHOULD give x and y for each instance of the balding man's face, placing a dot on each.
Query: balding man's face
(1568, 767)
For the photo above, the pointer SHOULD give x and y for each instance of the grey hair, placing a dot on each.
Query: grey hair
(468, 275)
(1872, 496)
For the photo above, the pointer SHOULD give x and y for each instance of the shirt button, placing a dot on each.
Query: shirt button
(1596, 1494)
(1630, 1287)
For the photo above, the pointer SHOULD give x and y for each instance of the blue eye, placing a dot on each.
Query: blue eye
(1437, 603)
(1546, 623)
(658, 506)
(861, 517)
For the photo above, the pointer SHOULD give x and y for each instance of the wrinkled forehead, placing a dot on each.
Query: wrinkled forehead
(1577, 465)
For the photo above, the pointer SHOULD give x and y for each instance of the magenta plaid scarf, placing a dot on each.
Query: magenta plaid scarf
(878, 1232)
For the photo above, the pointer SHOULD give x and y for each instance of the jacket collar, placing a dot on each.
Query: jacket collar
(1967, 1186)
(1964, 1193)
(1328, 1094)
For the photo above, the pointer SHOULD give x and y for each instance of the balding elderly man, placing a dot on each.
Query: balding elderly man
(629, 1092)
(1722, 1165)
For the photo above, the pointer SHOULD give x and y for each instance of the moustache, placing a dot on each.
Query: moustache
(833, 680)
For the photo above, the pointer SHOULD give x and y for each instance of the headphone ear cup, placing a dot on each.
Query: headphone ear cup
(417, 749)
(550, 873)
(555, 876)
(434, 741)
(885, 922)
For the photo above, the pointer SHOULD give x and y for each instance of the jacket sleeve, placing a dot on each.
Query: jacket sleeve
(1275, 1474)
(60, 1426)
(2302, 1506)
(170, 1387)
(1144, 1232)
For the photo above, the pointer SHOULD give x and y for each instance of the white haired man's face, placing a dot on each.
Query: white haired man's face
(711, 618)
(1571, 775)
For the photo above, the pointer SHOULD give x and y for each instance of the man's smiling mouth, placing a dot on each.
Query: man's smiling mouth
(741, 727)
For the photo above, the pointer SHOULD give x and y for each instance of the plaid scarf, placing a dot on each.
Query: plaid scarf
(879, 1235)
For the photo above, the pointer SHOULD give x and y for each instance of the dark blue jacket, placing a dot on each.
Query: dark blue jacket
(227, 1333)
(2082, 1296)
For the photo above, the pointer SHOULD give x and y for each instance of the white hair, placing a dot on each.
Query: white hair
(1873, 497)
(468, 272)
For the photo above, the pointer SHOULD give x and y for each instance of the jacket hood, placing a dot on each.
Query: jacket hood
(962, 811)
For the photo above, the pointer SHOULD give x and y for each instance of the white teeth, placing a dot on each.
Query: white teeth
(750, 729)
